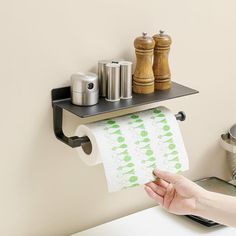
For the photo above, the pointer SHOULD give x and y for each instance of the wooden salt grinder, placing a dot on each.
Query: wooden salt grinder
(143, 80)
(160, 65)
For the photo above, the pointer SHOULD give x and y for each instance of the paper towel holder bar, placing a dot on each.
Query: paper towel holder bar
(76, 141)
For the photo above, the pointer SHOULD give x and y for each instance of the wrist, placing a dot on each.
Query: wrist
(202, 201)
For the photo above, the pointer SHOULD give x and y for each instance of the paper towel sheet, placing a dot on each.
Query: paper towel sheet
(132, 146)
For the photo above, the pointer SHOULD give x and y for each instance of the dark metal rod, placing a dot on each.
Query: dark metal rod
(181, 116)
(76, 141)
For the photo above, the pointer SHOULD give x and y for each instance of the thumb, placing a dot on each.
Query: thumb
(167, 176)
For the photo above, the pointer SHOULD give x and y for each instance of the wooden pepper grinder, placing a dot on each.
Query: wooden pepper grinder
(160, 65)
(143, 80)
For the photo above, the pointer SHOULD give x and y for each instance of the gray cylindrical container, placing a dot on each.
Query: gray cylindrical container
(84, 89)
(126, 79)
(102, 77)
(231, 155)
(228, 142)
(113, 82)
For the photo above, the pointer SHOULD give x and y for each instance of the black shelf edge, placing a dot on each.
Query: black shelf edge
(61, 98)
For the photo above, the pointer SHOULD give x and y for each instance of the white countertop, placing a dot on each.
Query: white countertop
(155, 221)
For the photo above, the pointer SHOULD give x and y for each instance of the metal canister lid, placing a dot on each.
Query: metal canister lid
(115, 65)
(84, 82)
(125, 63)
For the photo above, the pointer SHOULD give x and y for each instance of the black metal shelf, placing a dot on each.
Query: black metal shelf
(61, 99)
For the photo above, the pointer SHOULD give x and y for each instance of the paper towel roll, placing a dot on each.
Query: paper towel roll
(132, 146)
(89, 152)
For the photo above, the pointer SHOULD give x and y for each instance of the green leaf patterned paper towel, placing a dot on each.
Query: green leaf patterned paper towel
(132, 146)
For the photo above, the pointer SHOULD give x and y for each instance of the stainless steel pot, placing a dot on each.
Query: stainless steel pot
(228, 142)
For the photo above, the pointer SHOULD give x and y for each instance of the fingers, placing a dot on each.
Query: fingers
(169, 196)
(167, 176)
(153, 195)
(162, 183)
(156, 188)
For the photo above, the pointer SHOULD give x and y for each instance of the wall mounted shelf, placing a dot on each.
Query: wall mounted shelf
(61, 99)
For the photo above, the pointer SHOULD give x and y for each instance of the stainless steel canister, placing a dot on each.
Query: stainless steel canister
(228, 142)
(126, 79)
(113, 82)
(84, 89)
(102, 77)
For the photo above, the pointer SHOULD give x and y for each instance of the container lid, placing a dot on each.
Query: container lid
(144, 42)
(125, 63)
(84, 82)
(162, 40)
(113, 65)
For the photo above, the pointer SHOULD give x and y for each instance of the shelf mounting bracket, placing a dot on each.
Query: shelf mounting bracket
(73, 141)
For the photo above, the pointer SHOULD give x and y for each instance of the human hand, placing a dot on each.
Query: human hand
(174, 192)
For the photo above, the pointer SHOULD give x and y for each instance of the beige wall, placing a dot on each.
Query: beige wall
(45, 188)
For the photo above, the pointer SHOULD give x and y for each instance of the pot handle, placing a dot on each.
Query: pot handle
(224, 141)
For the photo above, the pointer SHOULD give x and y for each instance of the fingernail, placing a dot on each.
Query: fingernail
(154, 172)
